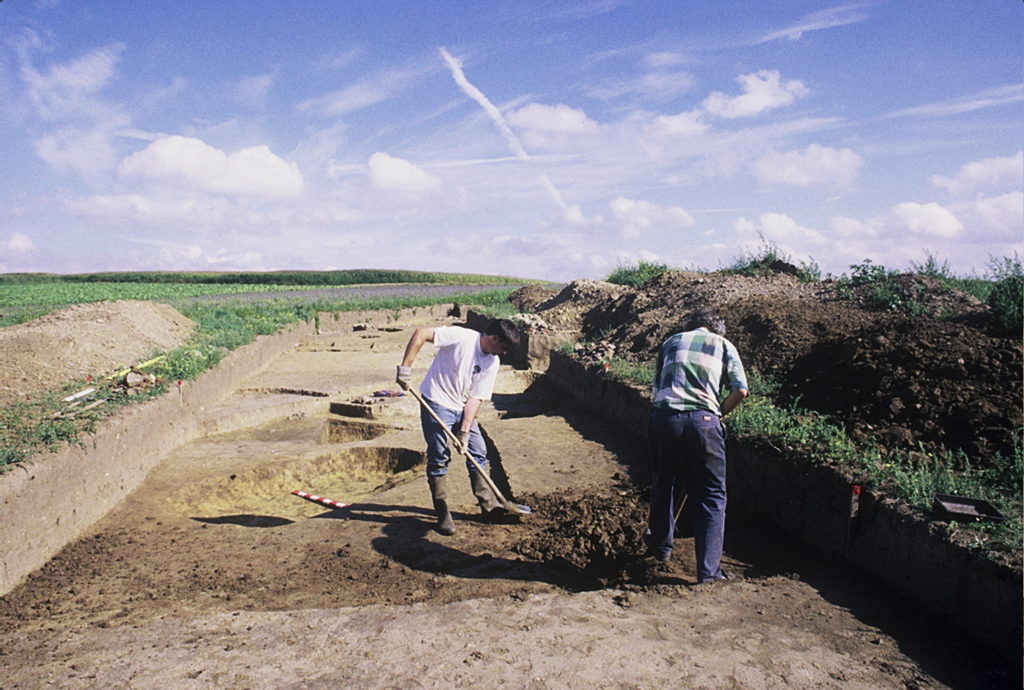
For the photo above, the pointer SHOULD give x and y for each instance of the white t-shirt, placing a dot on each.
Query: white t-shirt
(460, 369)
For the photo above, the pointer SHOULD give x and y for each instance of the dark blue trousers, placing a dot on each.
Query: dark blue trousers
(688, 448)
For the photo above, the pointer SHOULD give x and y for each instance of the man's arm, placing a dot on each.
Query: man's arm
(469, 411)
(735, 397)
(423, 334)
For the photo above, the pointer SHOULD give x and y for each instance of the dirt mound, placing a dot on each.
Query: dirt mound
(566, 309)
(528, 297)
(919, 364)
(595, 535)
(84, 340)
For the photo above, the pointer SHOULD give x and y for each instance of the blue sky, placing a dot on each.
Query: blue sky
(541, 139)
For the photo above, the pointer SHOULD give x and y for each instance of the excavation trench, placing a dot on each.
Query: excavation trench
(214, 533)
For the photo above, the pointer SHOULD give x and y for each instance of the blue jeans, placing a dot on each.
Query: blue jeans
(689, 448)
(438, 452)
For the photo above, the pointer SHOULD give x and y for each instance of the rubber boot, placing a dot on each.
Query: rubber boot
(439, 492)
(489, 504)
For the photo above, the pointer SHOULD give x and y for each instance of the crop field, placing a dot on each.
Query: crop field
(50, 294)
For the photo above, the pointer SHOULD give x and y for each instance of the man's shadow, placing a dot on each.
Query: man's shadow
(404, 540)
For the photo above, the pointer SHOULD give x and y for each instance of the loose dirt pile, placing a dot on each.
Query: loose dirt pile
(84, 340)
(941, 375)
(598, 536)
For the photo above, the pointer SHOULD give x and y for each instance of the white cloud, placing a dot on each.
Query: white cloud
(815, 165)
(661, 59)
(374, 89)
(660, 85)
(778, 228)
(574, 215)
(87, 152)
(136, 209)
(995, 217)
(551, 126)
(634, 217)
(816, 21)
(852, 228)
(685, 124)
(987, 98)
(552, 118)
(17, 243)
(250, 171)
(763, 90)
(1008, 171)
(399, 175)
(66, 90)
(930, 220)
(253, 90)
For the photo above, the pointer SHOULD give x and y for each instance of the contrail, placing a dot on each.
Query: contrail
(492, 111)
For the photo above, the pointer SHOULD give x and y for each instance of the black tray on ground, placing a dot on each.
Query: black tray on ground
(965, 509)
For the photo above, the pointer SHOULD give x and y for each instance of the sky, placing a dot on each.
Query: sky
(544, 139)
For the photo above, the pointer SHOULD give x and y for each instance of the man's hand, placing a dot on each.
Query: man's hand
(404, 377)
(464, 441)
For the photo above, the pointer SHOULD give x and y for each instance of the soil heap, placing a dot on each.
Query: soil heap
(84, 340)
(942, 375)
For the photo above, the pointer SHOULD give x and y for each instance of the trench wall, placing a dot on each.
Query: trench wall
(55, 498)
(885, 539)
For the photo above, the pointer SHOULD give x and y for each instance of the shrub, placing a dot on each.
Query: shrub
(638, 275)
(1007, 295)
(772, 260)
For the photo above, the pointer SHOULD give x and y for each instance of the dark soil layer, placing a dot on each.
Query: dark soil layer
(944, 375)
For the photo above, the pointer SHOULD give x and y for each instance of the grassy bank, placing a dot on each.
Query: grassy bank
(912, 476)
(30, 428)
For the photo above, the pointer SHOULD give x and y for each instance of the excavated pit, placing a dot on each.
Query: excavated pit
(349, 474)
(341, 430)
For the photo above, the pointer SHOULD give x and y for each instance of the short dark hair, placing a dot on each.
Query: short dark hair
(506, 332)
(705, 318)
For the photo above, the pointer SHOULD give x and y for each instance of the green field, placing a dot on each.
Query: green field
(53, 294)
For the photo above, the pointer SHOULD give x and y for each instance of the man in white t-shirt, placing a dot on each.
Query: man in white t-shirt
(459, 380)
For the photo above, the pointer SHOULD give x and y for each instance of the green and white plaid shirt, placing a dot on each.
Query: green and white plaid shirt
(692, 370)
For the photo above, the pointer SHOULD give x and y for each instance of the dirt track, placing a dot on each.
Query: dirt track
(213, 575)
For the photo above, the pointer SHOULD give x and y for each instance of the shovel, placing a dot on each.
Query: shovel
(506, 504)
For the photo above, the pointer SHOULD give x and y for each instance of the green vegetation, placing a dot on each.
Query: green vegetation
(637, 275)
(891, 290)
(771, 260)
(34, 427)
(885, 291)
(1007, 295)
(291, 278)
(912, 476)
(56, 294)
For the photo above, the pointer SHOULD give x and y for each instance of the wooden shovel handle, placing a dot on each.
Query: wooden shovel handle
(458, 444)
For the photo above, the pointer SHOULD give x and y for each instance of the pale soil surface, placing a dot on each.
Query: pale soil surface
(213, 575)
(84, 340)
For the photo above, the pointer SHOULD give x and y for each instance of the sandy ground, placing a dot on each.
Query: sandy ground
(213, 575)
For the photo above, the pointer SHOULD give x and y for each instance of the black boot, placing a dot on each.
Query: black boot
(439, 492)
(484, 495)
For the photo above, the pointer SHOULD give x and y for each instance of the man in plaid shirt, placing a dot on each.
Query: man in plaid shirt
(693, 371)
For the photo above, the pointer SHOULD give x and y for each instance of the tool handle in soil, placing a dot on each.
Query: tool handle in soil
(509, 506)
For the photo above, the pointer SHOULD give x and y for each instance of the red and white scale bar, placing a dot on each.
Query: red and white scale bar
(321, 500)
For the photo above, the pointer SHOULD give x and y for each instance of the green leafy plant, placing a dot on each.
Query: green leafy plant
(1007, 296)
(881, 288)
(771, 260)
(636, 275)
